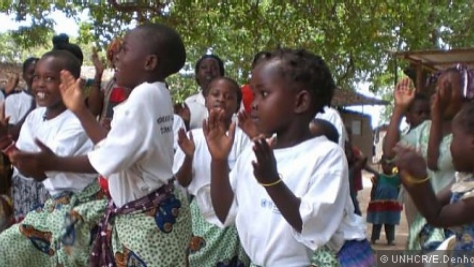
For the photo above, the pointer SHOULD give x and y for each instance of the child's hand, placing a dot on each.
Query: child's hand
(71, 92)
(411, 162)
(98, 64)
(33, 164)
(186, 144)
(264, 168)
(218, 141)
(404, 93)
(246, 124)
(441, 99)
(182, 110)
(3, 121)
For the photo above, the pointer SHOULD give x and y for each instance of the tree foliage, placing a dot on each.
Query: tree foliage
(355, 37)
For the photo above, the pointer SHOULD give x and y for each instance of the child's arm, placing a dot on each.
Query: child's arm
(95, 100)
(73, 99)
(187, 147)
(403, 97)
(265, 170)
(414, 177)
(439, 105)
(219, 144)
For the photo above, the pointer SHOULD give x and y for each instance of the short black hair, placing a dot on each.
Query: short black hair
(308, 70)
(465, 118)
(28, 62)
(329, 130)
(67, 61)
(260, 55)
(61, 42)
(220, 63)
(234, 84)
(166, 44)
(418, 97)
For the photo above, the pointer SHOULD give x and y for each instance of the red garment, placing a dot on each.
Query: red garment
(357, 176)
(104, 185)
(247, 97)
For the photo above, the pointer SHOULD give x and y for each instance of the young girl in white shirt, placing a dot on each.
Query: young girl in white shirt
(148, 222)
(38, 239)
(292, 199)
(210, 246)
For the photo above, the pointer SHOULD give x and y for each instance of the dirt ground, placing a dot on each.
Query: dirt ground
(401, 231)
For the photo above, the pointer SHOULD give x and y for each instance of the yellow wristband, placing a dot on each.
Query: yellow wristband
(411, 180)
(272, 183)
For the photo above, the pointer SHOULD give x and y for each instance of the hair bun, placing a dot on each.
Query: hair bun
(60, 40)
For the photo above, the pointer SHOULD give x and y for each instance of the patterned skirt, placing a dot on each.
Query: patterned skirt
(213, 246)
(157, 237)
(39, 240)
(354, 253)
(27, 195)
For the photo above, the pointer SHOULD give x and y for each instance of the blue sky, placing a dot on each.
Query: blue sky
(70, 27)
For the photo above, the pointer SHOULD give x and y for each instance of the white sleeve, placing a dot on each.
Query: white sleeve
(10, 110)
(322, 208)
(128, 141)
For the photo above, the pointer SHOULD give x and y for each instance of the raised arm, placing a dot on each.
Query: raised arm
(95, 100)
(220, 145)
(403, 95)
(73, 99)
(436, 209)
(440, 103)
(185, 154)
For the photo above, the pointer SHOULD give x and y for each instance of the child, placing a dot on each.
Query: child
(319, 127)
(418, 111)
(432, 138)
(357, 162)
(18, 106)
(37, 241)
(26, 192)
(452, 207)
(147, 222)
(384, 208)
(207, 68)
(295, 200)
(210, 246)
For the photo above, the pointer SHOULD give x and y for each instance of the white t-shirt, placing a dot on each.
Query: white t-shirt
(197, 107)
(178, 123)
(17, 105)
(200, 186)
(137, 155)
(65, 136)
(316, 172)
(333, 116)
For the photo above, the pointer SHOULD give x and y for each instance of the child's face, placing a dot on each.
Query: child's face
(207, 71)
(222, 95)
(273, 98)
(462, 148)
(28, 74)
(387, 167)
(45, 82)
(419, 112)
(131, 60)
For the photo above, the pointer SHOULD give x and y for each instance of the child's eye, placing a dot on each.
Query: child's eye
(49, 79)
(264, 93)
(35, 77)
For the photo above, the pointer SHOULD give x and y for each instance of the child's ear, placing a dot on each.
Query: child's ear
(151, 62)
(302, 102)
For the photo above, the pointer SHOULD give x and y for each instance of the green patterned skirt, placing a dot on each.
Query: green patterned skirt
(213, 246)
(38, 239)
